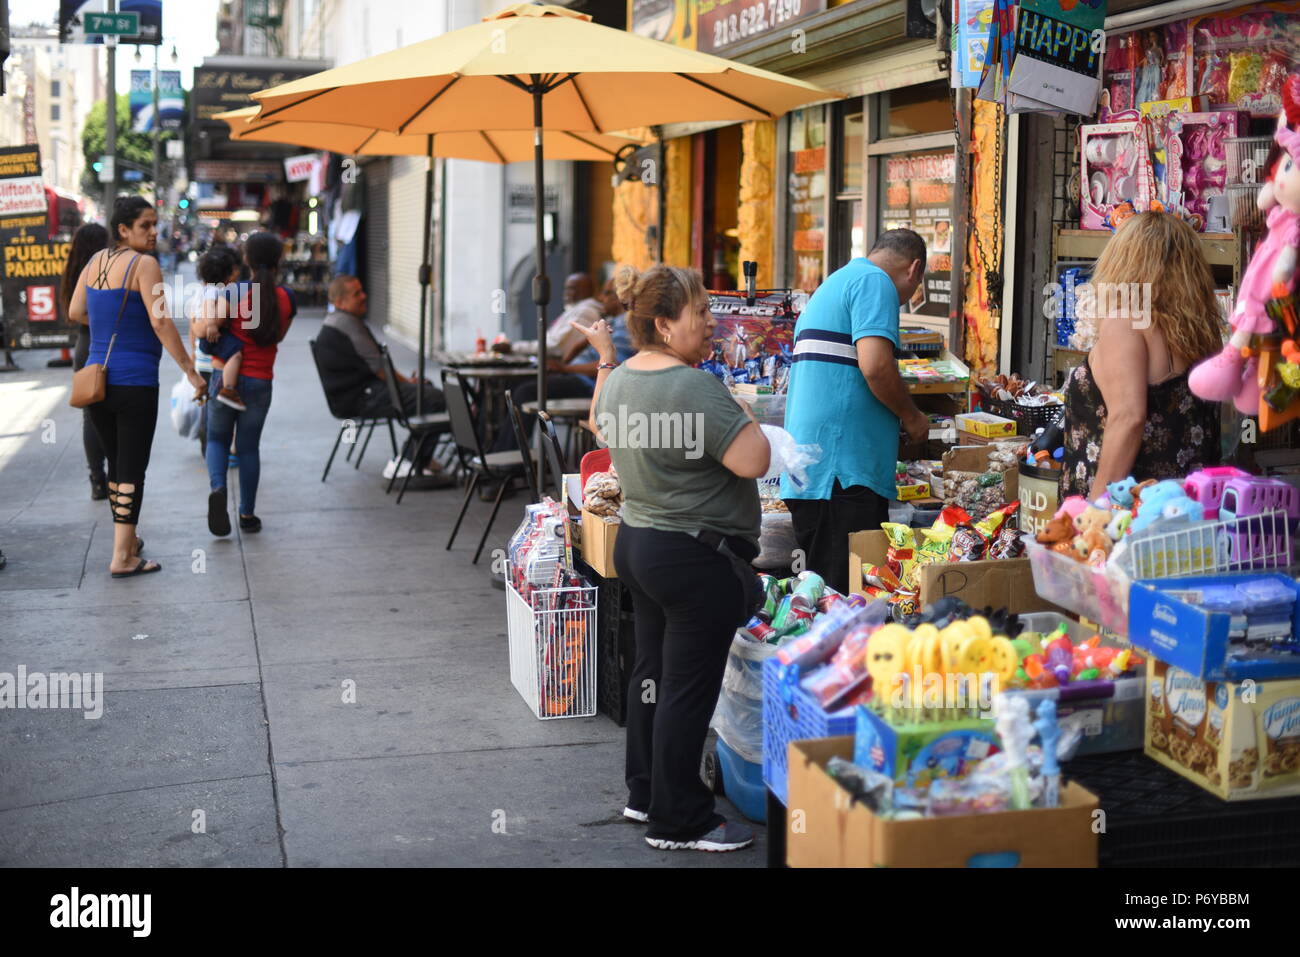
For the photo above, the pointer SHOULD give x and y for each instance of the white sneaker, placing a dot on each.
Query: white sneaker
(402, 470)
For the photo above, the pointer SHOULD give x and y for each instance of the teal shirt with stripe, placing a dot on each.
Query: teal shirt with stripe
(829, 403)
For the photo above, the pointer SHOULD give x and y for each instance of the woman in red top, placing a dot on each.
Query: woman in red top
(263, 320)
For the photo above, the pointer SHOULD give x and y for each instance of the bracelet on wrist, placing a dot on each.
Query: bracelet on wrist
(607, 365)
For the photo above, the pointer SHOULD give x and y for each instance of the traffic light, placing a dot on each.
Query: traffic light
(97, 166)
(184, 204)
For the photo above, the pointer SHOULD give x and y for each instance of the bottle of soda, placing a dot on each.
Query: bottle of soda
(480, 344)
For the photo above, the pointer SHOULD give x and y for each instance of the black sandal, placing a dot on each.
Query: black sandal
(139, 570)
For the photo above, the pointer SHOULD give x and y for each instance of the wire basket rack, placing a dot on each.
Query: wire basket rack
(553, 657)
(1247, 543)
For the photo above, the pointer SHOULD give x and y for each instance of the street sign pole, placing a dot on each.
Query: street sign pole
(110, 122)
(157, 133)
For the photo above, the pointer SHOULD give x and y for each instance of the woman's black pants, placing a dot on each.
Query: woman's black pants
(688, 602)
(125, 422)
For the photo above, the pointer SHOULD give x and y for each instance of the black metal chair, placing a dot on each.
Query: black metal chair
(554, 451)
(348, 421)
(521, 439)
(501, 467)
(431, 425)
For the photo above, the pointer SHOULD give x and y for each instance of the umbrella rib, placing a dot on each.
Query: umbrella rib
(411, 119)
(362, 144)
(583, 100)
(714, 89)
(305, 99)
(492, 146)
(582, 139)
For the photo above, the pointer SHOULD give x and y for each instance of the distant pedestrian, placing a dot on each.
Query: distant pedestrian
(86, 241)
(120, 295)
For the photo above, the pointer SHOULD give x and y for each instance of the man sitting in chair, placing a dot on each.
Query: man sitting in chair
(352, 363)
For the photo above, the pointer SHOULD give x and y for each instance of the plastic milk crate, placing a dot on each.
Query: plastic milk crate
(791, 714)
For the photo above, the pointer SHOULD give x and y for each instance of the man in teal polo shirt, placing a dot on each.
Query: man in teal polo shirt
(846, 395)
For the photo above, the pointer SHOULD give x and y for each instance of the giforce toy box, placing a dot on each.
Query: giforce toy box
(1239, 740)
(827, 828)
(918, 752)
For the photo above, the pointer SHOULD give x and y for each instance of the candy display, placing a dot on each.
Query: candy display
(982, 492)
(931, 371)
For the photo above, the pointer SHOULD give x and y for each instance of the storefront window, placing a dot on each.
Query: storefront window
(850, 132)
(916, 192)
(806, 229)
(913, 110)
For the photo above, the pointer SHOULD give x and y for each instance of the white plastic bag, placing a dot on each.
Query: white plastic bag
(738, 718)
(187, 414)
(788, 457)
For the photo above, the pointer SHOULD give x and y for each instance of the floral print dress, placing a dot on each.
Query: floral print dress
(1181, 435)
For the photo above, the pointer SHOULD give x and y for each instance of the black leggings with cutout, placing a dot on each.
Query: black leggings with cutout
(125, 423)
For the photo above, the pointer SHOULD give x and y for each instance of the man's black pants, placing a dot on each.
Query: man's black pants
(822, 527)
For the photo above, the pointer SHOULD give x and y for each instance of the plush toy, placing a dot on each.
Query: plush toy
(1165, 499)
(1091, 519)
(1266, 287)
(1121, 492)
(1058, 535)
(1121, 519)
(1071, 507)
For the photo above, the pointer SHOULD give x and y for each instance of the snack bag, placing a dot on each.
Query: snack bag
(901, 556)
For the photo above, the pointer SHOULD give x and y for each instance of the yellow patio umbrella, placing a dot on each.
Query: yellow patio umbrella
(488, 146)
(591, 79)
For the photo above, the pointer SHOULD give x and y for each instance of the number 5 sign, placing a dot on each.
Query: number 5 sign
(42, 306)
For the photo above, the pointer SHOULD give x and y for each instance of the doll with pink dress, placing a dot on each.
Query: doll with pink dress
(1234, 372)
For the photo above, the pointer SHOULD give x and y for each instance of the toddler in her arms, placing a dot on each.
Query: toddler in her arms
(218, 268)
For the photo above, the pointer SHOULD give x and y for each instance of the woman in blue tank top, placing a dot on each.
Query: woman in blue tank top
(120, 295)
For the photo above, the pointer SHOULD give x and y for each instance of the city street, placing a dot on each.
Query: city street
(225, 674)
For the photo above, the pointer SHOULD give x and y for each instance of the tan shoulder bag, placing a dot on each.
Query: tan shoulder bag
(90, 382)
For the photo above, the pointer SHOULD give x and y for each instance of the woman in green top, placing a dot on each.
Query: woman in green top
(687, 454)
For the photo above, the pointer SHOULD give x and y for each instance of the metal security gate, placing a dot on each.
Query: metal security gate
(377, 176)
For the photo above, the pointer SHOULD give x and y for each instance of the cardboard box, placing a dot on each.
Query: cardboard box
(598, 544)
(1165, 621)
(1000, 582)
(975, 458)
(985, 425)
(1240, 741)
(907, 493)
(825, 829)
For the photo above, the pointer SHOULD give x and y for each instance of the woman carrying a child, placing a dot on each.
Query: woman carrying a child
(260, 320)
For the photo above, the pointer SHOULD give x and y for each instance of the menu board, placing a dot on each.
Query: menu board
(918, 195)
(807, 186)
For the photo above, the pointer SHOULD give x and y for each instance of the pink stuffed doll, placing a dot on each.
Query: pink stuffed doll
(1234, 373)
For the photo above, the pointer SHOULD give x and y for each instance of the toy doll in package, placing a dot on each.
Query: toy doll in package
(1117, 93)
(1240, 58)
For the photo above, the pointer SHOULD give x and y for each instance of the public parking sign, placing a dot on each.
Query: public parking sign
(116, 24)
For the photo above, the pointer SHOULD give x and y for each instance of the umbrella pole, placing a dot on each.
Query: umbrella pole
(541, 282)
(426, 277)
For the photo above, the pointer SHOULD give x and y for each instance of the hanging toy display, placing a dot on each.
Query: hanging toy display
(1260, 359)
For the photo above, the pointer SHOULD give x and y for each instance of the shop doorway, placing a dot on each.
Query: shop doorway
(715, 239)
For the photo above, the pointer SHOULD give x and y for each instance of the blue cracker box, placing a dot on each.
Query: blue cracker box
(917, 753)
(1165, 621)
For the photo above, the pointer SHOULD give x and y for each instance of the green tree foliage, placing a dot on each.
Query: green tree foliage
(131, 147)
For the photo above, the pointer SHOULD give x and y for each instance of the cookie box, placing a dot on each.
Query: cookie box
(1238, 740)
(1166, 621)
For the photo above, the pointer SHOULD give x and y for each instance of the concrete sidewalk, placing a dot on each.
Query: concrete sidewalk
(224, 674)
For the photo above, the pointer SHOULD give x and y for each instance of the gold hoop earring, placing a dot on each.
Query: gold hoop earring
(668, 339)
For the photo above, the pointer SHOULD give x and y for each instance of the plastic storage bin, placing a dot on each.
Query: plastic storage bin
(742, 781)
(791, 714)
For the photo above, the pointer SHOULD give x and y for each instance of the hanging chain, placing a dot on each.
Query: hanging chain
(993, 263)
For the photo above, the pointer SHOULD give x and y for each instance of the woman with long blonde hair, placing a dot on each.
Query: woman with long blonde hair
(1128, 408)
